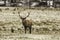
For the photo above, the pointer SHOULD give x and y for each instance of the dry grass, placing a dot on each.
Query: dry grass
(46, 21)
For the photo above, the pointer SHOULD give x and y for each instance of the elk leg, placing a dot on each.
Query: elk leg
(25, 29)
(30, 29)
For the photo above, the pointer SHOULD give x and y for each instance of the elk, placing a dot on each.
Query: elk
(26, 23)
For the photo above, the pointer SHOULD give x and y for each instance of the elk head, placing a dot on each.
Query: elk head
(23, 18)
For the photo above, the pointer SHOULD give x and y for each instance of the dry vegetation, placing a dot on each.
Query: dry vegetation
(46, 21)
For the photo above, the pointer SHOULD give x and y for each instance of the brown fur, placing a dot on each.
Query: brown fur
(26, 23)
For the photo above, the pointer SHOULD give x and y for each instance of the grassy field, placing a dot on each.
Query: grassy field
(46, 23)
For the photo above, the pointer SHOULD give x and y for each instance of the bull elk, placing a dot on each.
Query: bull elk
(26, 23)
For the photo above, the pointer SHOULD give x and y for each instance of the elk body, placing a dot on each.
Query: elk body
(26, 23)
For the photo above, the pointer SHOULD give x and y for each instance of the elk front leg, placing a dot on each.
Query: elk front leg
(30, 30)
(25, 29)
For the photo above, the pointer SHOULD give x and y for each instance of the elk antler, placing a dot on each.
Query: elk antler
(19, 14)
(27, 15)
